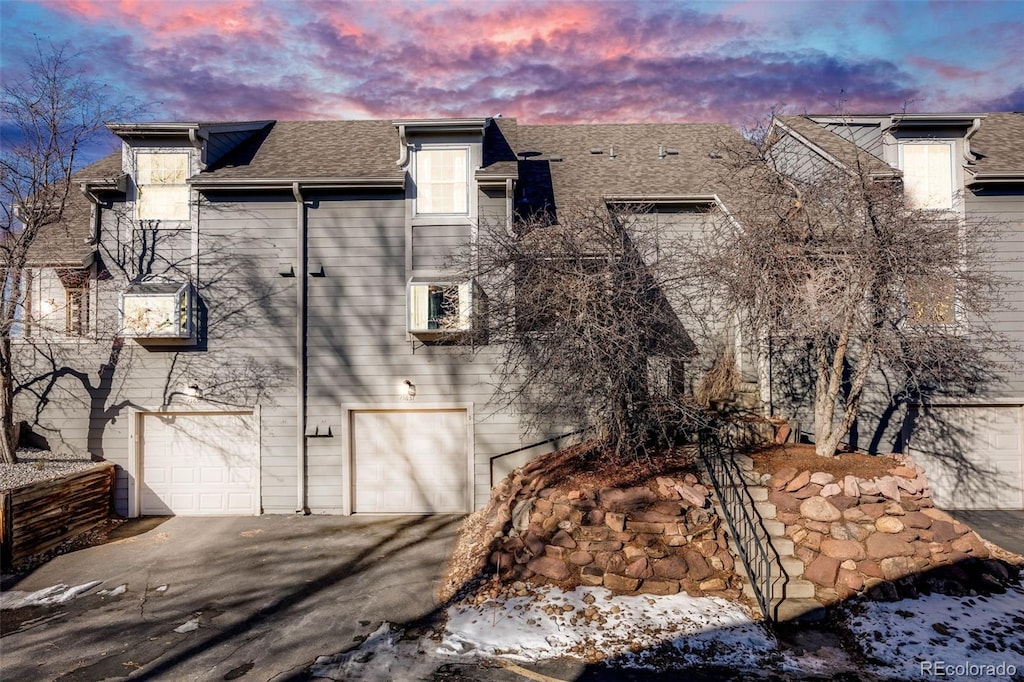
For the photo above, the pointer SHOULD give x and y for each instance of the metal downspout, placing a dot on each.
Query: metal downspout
(300, 348)
(94, 215)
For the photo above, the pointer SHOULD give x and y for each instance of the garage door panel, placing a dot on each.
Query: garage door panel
(199, 464)
(974, 455)
(413, 461)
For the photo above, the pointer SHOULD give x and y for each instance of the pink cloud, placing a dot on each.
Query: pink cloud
(950, 71)
(166, 19)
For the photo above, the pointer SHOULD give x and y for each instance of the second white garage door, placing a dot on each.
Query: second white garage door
(974, 455)
(195, 464)
(409, 461)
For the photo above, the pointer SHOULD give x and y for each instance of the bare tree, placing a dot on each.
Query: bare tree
(49, 117)
(834, 272)
(582, 311)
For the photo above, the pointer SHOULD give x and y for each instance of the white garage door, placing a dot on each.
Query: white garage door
(199, 464)
(409, 461)
(974, 455)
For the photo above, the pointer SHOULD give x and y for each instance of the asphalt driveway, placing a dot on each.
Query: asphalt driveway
(1003, 527)
(225, 598)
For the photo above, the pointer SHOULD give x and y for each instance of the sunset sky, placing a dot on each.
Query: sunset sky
(543, 62)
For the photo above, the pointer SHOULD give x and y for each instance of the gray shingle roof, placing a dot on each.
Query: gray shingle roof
(64, 243)
(314, 149)
(636, 168)
(1000, 144)
(843, 151)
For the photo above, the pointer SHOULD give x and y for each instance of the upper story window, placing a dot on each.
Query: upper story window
(928, 174)
(442, 181)
(162, 193)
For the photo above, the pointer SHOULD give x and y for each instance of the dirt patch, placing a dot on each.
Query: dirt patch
(801, 457)
(586, 466)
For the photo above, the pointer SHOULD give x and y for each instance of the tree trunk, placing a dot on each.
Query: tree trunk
(8, 438)
(764, 369)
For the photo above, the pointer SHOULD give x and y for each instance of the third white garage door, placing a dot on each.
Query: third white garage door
(409, 461)
(974, 455)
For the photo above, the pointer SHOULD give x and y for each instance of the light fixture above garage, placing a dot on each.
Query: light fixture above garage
(408, 390)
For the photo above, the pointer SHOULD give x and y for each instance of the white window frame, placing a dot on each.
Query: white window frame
(45, 314)
(953, 183)
(177, 219)
(418, 307)
(418, 203)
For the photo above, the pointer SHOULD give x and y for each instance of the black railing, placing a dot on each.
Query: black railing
(752, 541)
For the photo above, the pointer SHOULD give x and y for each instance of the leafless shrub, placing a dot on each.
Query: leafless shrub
(580, 310)
(832, 267)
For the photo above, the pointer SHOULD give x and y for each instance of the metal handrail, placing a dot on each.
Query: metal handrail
(750, 536)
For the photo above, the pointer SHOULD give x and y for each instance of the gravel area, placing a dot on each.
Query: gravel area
(36, 465)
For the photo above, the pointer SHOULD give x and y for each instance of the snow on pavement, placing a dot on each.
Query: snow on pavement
(55, 594)
(589, 623)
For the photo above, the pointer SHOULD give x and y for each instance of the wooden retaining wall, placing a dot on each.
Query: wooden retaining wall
(39, 516)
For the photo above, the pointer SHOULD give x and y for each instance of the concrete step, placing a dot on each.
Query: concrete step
(748, 387)
(776, 529)
(784, 546)
(744, 462)
(799, 589)
(751, 477)
(792, 588)
(793, 567)
(799, 610)
(758, 493)
(765, 509)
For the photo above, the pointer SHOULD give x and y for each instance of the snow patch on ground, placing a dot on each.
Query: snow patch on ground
(908, 636)
(589, 623)
(116, 592)
(55, 594)
(383, 655)
(188, 626)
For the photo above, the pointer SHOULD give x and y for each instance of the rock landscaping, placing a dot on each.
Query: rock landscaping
(880, 536)
(657, 533)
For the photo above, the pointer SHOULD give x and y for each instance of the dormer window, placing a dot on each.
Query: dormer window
(442, 181)
(161, 189)
(928, 174)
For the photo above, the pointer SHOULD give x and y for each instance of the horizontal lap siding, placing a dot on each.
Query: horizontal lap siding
(252, 324)
(245, 357)
(358, 350)
(434, 246)
(1004, 212)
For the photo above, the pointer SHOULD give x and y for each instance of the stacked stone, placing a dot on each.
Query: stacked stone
(882, 536)
(658, 538)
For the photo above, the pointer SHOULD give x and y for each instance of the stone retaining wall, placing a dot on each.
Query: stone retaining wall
(657, 538)
(882, 536)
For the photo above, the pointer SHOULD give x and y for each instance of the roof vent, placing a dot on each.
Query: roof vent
(554, 158)
(667, 151)
(611, 152)
(596, 150)
(715, 155)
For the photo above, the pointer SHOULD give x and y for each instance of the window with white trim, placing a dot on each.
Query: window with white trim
(440, 307)
(442, 181)
(161, 189)
(928, 174)
(52, 302)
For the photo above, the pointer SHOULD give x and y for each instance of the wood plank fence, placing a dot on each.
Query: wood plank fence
(39, 516)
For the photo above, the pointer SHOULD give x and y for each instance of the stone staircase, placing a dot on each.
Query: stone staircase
(792, 597)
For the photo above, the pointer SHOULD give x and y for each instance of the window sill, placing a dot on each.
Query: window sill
(442, 219)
